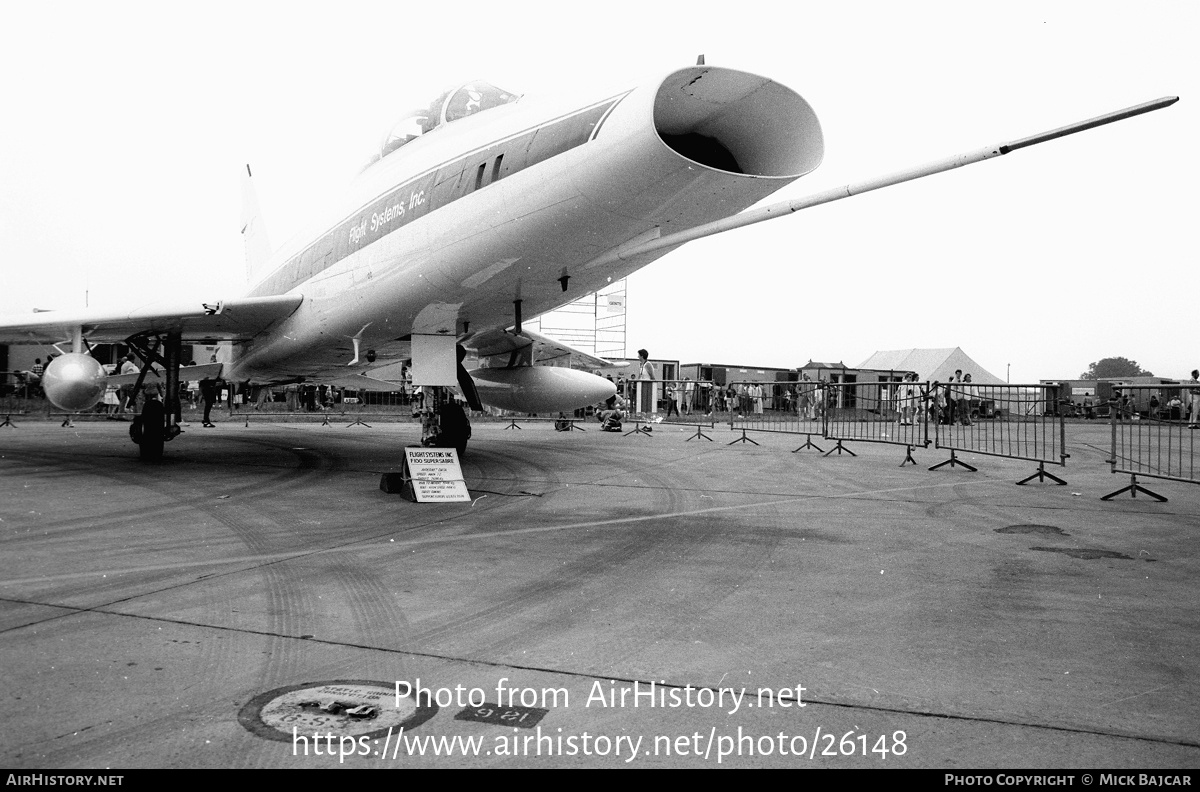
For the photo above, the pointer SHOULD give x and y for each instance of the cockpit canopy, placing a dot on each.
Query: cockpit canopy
(460, 102)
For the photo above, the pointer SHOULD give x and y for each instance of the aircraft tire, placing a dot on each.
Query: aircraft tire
(151, 449)
(455, 428)
(153, 431)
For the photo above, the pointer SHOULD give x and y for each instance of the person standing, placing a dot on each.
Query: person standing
(125, 392)
(647, 399)
(674, 397)
(952, 396)
(937, 402)
(110, 402)
(689, 394)
(804, 397)
(292, 394)
(1194, 390)
(208, 393)
(964, 402)
(907, 398)
(820, 399)
(35, 375)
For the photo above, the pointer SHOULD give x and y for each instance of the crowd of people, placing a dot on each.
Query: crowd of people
(644, 395)
(957, 401)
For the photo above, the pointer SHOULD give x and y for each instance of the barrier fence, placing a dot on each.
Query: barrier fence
(18, 396)
(890, 411)
(1160, 444)
(1155, 428)
(1012, 421)
(782, 407)
(877, 412)
(650, 399)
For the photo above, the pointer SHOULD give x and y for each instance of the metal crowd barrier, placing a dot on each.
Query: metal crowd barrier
(650, 399)
(17, 397)
(872, 412)
(781, 407)
(648, 403)
(877, 412)
(1160, 444)
(1013, 421)
(305, 403)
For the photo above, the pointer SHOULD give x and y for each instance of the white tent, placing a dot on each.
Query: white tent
(931, 364)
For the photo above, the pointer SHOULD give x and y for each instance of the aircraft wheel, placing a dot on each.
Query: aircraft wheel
(151, 448)
(153, 432)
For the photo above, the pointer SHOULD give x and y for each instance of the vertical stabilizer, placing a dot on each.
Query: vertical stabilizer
(254, 231)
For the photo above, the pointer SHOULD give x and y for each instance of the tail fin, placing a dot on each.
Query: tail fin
(254, 231)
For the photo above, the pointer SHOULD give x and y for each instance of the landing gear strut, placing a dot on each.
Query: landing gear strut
(159, 421)
(444, 423)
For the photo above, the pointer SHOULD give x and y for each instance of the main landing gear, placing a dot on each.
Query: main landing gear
(159, 420)
(444, 422)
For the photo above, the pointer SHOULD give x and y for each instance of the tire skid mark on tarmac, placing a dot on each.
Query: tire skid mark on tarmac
(419, 532)
(375, 608)
(686, 538)
(530, 595)
(258, 524)
(134, 477)
(289, 601)
(694, 599)
(181, 500)
(775, 507)
(598, 579)
(634, 559)
(238, 516)
(680, 539)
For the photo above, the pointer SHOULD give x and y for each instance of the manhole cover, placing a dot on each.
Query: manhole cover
(342, 707)
(1086, 553)
(1048, 530)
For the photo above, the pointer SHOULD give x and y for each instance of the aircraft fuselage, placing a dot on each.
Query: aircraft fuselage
(446, 233)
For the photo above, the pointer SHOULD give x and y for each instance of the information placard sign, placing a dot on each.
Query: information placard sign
(434, 475)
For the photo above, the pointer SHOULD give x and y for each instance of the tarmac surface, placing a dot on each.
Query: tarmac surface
(190, 613)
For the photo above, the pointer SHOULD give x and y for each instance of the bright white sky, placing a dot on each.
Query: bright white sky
(125, 127)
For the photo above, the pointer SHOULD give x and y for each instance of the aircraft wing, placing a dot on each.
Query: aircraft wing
(214, 370)
(156, 375)
(360, 382)
(546, 350)
(228, 320)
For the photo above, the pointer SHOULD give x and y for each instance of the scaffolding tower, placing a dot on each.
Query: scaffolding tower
(595, 323)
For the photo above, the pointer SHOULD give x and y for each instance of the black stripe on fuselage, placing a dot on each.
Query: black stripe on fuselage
(436, 188)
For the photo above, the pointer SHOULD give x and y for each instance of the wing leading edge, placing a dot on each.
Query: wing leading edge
(229, 320)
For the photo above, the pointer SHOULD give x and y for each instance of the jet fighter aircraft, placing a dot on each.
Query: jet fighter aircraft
(479, 209)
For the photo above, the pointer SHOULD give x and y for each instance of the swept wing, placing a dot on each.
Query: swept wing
(229, 320)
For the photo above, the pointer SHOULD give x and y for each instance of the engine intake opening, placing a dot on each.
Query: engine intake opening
(738, 122)
(703, 149)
